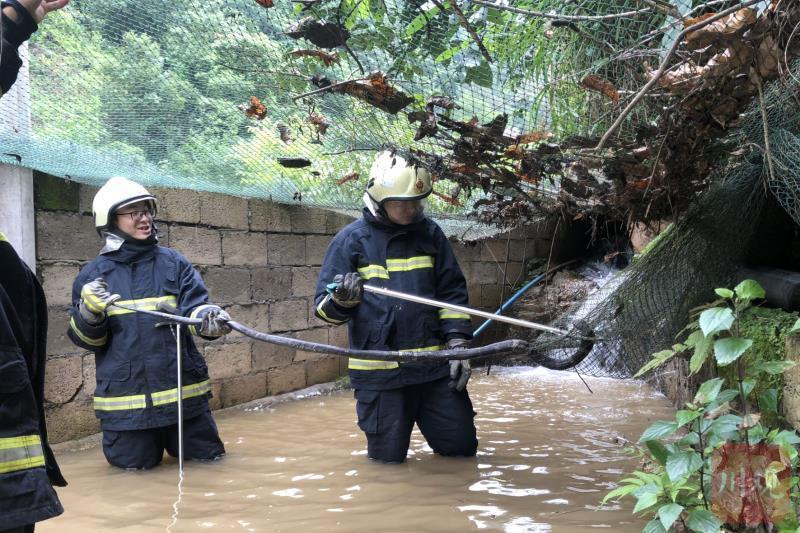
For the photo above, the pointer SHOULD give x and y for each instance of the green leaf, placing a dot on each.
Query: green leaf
(747, 386)
(685, 416)
(658, 359)
(749, 289)
(768, 400)
(701, 350)
(715, 319)
(703, 521)
(728, 350)
(658, 451)
(725, 293)
(647, 496)
(725, 426)
(450, 52)
(659, 429)
(786, 437)
(796, 326)
(774, 367)
(421, 20)
(682, 463)
(654, 526)
(669, 513)
(480, 75)
(619, 492)
(708, 391)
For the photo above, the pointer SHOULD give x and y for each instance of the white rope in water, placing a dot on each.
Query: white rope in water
(176, 503)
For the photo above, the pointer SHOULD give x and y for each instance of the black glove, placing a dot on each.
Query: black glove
(349, 289)
(460, 370)
(215, 323)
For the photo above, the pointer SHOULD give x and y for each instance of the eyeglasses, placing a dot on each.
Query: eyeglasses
(138, 215)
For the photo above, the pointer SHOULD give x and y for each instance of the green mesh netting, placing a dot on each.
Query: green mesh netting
(158, 90)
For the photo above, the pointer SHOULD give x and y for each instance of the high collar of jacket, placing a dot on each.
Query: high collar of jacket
(387, 225)
(131, 250)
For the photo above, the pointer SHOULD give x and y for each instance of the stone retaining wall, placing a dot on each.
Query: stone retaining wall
(260, 261)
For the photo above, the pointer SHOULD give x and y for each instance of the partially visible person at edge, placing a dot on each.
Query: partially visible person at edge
(395, 246)
(136, 394)
(28, 468)
(20, 19)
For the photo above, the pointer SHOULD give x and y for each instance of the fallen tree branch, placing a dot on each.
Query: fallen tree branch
(467, 26)
(556, 16)
(663, 67)
(326, 88)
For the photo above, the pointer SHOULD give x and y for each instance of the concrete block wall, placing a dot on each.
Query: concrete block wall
(259, 260)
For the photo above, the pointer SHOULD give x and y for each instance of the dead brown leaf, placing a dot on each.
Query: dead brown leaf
(255, 110)
(595, 83)
(328, 58)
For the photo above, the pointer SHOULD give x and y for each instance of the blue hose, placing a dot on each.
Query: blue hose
(509, 302)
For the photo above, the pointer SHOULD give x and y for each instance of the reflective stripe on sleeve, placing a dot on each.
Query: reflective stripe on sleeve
(88, 340)
(449, 314)
(119, 403)
(147, 304)
(20, 453)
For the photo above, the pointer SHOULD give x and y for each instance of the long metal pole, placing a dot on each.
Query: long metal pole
(467, 310)
(180, 397)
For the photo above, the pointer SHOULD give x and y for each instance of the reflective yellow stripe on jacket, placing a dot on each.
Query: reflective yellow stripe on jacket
(20, 453)
(448, 313)
(395, 265)
(146, 304)
(139, 401)
(366, 364)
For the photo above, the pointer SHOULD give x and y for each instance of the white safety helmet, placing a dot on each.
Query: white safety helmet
(393, 178)
(116, 193)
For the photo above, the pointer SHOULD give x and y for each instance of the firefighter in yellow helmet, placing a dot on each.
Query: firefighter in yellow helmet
(395, 246)
(136, 395)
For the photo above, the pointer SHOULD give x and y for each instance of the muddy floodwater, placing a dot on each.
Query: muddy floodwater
(549, 450)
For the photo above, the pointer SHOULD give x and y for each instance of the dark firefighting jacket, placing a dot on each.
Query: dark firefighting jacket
(135, 360)
(28, 468)
(415, 259)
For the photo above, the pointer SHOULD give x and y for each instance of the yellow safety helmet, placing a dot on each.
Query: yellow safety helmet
(393, 178)
(116, 193)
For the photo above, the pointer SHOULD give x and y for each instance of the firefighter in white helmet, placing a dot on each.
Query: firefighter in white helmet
(395, 246)
(136, 396)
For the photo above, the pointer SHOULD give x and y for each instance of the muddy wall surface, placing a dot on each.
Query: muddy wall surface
(260, 261)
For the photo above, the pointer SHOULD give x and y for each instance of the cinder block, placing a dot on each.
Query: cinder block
(286, 378)
(243, 389)
(494, 250)
(286, 249)
(228, 285)
(241, 248)
(57, 323)
(520, 250)
(254, 316)
(491, 296)
(223, 211)
(64, 236)
(272, 283)
(63, 378)
(542, 248)
(266, 355)
(89, 376)
(57, 282)
(70, 421)
(323, 370)
(338, 336)
(308, 220)
(318, 335)
(55, 194)
(304, 281)
(215, 402)
(228, 360)
(474, 292)
(486, 273)
(268, 216)
(336, 221)
(466, 252)
(200, 245)
(178, 205)
(316, 246)
(86, 197)
(286, 315)
(514, 274)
